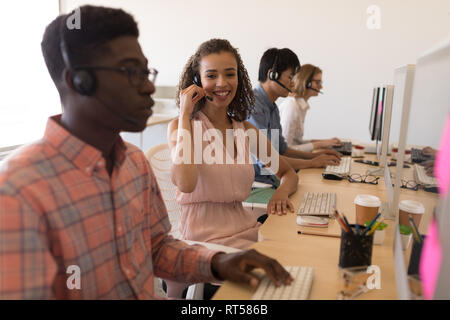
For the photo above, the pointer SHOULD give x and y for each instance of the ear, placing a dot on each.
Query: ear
(66, 80)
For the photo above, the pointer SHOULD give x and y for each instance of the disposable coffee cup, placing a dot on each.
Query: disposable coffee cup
(413, 208)
(367, 207)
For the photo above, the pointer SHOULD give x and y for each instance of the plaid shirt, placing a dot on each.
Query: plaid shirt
(59, 208)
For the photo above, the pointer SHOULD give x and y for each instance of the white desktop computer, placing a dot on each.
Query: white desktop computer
(427, 98)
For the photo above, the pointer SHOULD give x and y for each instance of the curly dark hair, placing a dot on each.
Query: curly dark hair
(243, 103)
(99, 25)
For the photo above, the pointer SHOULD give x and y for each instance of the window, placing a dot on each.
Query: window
(28, 95)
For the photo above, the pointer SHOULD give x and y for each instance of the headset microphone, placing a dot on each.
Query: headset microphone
(128, 119)
(274, 75)
(279, 83)
(310, 80)
(314, 89)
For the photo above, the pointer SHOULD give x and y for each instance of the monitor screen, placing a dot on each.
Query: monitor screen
(380, 111)
(376, 114)
(373, 112)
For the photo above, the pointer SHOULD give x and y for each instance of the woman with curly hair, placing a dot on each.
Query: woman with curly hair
(215, 97)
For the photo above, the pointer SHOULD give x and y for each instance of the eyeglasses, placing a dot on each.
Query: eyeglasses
(136, 76)
(357, 178)
(410, 185)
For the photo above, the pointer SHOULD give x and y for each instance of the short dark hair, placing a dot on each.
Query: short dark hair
(286, 59)
(98, 26)
(242, 105)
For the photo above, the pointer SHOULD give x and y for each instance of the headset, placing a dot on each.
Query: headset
(198, 83)
(84, 80)
(309, 82)
(274, 75)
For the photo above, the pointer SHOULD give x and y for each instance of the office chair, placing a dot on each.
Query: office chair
(160, 161)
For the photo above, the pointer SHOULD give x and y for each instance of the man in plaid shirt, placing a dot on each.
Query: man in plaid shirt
(81, 198)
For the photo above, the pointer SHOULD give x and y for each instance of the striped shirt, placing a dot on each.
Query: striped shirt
(64, 219)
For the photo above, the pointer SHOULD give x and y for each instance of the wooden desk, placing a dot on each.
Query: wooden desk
(327, 282)
(282, 242)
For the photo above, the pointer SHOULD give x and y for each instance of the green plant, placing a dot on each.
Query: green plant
(405, 230)
(380, 227)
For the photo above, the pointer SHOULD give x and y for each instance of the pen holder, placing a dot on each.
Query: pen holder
(414, 260)
(356, 250)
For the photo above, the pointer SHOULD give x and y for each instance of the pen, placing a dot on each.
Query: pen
(371, 224)
(346, 221)
(357, 229)
(414, 229)
(341, 221)
(320, 235)
(374, 228)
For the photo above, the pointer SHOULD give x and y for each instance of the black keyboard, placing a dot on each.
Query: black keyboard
(418, 157)
(345, 148)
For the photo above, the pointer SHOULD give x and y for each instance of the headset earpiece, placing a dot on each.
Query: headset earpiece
(197, 80)
(309, 81)
(84, 82)
(273, 74)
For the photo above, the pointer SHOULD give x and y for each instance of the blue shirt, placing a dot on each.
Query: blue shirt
(267, 116)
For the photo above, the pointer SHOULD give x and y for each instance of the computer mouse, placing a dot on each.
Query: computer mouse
(311, 221)
(331, 176)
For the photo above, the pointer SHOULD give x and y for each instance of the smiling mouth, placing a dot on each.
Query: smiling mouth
(221, 93)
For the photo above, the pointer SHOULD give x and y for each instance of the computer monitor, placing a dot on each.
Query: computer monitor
(376, 113)
(430, 107)
(401, 277)
(382, 126)
(385, 123)
(373, 112)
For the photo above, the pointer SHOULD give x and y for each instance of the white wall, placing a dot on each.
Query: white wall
(332, 34)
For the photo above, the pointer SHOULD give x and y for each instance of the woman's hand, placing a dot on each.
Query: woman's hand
(429, 151)
(328, 143)
(279, 203)
(188, 99)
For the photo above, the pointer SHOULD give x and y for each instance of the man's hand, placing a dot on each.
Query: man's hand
(325, 160)
(429, 168)
(330, 152)
(236, 267)
(429, 151)
(328, 143)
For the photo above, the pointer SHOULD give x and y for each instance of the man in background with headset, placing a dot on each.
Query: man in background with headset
(83, 199)
(276, 72)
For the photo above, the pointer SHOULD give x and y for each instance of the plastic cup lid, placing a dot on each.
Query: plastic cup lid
(367, 200)
(411, 206)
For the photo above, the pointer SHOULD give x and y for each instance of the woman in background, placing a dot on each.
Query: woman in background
(307, 84)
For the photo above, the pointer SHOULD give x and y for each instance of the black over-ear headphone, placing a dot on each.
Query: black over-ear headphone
(309, 81)
(273, 74)
(84, 80)
(197, 80)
